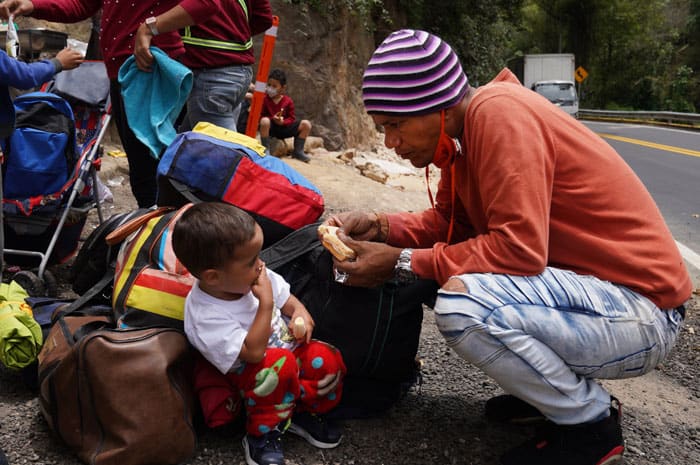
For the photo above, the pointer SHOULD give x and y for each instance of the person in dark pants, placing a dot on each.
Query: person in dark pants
(142, 165)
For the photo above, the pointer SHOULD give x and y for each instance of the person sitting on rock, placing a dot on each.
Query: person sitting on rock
(278, 119)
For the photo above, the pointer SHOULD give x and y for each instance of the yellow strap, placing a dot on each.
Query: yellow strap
(227, 135)
(219, 44)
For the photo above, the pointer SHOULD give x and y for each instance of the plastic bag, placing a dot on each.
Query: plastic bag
(12, 42)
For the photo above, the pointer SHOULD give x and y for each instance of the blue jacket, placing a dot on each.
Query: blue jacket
(21, 75)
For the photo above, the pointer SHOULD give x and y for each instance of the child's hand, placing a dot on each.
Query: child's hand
(279, 118)
(262, 288)
(69, 58)
(301, 318)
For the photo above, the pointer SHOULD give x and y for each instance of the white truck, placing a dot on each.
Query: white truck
(549, 74)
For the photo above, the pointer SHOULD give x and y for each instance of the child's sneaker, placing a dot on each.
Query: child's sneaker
(316, 429)
(598, 443)
(264, 450)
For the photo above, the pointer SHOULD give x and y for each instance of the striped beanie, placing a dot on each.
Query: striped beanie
(413, 73)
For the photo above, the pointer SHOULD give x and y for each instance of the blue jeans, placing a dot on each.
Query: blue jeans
(544, 338)
(216, 96)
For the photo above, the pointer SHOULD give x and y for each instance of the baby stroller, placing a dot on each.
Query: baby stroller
(44, 207)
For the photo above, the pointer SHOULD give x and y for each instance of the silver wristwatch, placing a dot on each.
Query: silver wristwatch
(403, 274)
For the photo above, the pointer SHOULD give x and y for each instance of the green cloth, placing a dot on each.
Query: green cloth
(20, 334)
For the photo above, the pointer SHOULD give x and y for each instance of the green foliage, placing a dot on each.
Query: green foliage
(372, 12)
(639, 55)
(632, 50)
(480, 32)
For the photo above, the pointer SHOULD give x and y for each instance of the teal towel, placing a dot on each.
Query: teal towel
(153, 101)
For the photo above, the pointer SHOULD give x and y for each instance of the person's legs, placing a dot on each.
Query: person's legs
(216, 96)
(142, 165)
(265, 124)
(269, 389)
(543, 338)
(293, 130)
(300, 140)
(304, 129)
(321, 373)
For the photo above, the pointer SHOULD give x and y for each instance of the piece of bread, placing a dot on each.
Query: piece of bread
(331, 241)
(299, 327)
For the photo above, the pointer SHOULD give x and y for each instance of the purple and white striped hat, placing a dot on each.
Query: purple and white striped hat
(413, 73)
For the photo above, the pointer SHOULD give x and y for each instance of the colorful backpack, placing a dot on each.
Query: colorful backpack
(150, 283)
(213, 163)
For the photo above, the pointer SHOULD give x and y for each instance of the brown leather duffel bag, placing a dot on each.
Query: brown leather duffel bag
(118, 396)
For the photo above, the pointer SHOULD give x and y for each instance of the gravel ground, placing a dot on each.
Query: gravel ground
(439, 423)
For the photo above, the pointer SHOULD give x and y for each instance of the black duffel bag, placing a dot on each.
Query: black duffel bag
(377, 330)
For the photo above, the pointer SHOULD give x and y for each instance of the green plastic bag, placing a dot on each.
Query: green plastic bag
(20, 334)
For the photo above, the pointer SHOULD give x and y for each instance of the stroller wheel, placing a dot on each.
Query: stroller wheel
(50, 284)
(31, 283)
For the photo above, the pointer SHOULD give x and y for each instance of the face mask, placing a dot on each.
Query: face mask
(271, 92)
(446, 148)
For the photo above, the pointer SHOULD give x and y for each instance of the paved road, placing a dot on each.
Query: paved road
(668, 162)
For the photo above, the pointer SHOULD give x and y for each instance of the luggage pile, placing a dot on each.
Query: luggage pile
(115, 370)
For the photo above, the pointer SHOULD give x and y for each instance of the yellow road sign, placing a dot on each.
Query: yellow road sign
(580, 74)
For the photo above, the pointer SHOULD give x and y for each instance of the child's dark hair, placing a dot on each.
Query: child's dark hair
(208, 234)
(278, 75)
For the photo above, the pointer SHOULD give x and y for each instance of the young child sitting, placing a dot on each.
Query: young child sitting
(278, 119)
(241, 317)
(15, 73)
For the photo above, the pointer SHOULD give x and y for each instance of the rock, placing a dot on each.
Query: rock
(372, 171)
(282, 148)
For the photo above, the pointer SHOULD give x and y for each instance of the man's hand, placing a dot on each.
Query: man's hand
(373, 266)
(16, 7)
(69, 58)
(358, 225)
(142, 44)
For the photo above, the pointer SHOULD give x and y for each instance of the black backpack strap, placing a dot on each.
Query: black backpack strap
(291, 247)
(92, 292)
(184, 190)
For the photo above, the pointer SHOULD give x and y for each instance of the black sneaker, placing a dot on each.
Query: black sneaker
(510, 409)
(264, 450)
(316, 429)
(598, 443)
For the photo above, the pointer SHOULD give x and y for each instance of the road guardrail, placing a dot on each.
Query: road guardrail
(671, 118)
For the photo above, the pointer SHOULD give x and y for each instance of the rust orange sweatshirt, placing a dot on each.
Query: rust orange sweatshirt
(535, 188)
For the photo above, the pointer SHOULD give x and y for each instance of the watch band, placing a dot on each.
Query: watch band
(403, 273)
(151, 23)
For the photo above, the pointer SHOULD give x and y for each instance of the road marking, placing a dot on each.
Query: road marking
(689, 255)
(667, 148)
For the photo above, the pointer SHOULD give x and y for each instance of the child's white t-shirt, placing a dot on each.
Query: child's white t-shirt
(217, 328)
